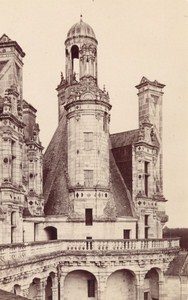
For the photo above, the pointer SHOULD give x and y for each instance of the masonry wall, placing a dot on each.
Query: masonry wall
(176, 287)
(78, 230)
(121, 286)
(76, 286)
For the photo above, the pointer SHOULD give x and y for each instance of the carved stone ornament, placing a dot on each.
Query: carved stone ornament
(77, 117)
(98, 115)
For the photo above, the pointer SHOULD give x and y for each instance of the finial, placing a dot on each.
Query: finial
(62, 77)
(81, 16)
(104, 88)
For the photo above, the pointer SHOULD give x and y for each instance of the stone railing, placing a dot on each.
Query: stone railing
(26, 251)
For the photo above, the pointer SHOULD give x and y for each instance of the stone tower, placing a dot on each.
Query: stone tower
(87, 112)
(20, 146)
(11, 64)
(150, 96)
(148, 180)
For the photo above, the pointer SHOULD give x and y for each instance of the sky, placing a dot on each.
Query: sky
(135, 38)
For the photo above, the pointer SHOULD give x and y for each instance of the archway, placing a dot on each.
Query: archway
(48, 289)
(51, 233)
(80, 284)
(75, 62)
(34, 289)
(151, 285)
(17, 289)
(121, 285)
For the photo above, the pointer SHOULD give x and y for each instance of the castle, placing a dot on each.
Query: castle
(84, 220)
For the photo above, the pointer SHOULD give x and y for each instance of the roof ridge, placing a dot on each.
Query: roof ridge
(124, 131)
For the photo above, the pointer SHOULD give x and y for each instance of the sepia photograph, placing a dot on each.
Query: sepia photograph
(93, 150)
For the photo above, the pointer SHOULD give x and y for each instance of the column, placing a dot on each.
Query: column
(55, 288)
(102, 286)
(25, 290)
(140, 286)
(42, 286)
(161, 290)
(62, 286)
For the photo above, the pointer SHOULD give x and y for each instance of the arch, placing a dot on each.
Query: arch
(48, 288)
(87, 96)
(121, 283)
(84, 283)
(51, 233)
(17, 289)
(34, 289)
(151, 284)
(75, 62)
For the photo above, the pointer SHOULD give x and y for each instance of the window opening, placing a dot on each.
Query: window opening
(88, 140)
(146, 295)
(146, 224)
(105, 122)
(88, 216)
(75, 62)
(91, 288)
(126, 234)
(146, 171)
(88, 178)
(89, 245)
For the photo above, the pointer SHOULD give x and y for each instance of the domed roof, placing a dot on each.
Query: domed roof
(81, 29)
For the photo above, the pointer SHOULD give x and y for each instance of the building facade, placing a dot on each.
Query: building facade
(85, 219)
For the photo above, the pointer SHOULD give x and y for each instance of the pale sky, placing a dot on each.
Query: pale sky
(136, 38)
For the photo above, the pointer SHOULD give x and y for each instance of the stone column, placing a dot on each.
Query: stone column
(62, 286)
(102, 286)
(55, 288)
(25, 291)
(42, 286)
(162, 292)
(140, 286)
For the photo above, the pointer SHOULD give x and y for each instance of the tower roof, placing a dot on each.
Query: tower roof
(81, 29)
(6, 42)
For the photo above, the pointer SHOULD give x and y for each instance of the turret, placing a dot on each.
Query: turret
(87, 110)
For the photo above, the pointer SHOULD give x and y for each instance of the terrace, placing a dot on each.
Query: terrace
(26, 251)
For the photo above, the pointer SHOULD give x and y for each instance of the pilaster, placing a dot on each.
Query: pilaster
(55, 287)
(102, 286)
(41, 293)
(140, 286)
(62, 285)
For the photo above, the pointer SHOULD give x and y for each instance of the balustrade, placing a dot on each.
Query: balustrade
(25, 251)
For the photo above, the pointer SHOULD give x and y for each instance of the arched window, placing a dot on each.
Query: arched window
(51, 233)
(75, 62)
(17, 289)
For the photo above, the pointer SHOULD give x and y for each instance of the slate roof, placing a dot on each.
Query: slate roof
(56, 178)
(9, 296)
(124, 138)
(179, 266)
(122, 196)
(55, 172)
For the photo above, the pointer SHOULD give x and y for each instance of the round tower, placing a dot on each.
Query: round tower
(87, 111)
